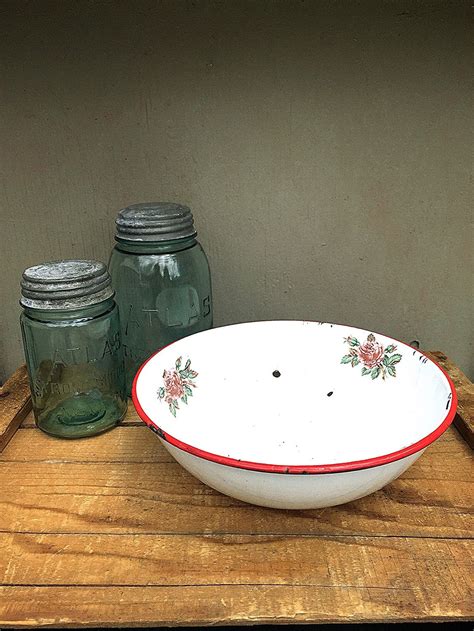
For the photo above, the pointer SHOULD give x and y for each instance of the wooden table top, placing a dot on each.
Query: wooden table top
(110, 531)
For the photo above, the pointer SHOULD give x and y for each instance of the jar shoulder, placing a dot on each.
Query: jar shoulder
(188, 262)
(45, 321)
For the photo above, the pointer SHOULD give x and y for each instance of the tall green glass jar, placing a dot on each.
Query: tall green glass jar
(161, 277)
(71, 336)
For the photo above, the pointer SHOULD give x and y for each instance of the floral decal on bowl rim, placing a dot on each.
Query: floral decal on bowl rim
(178, 385)
(375, 359)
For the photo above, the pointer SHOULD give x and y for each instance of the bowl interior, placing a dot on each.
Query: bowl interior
(293, 393)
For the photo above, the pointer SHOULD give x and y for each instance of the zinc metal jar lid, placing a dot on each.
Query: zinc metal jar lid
(65, 285)
(155, 221)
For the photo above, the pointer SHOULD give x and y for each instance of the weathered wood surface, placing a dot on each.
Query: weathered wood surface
(232, 579)
(230, 604)
(15, 403)
(68, 488)
(110, 531)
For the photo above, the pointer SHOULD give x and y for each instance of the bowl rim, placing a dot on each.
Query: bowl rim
(339, 467)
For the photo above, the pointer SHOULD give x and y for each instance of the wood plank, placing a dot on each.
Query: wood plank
(122, 444)
(464, 420)
(226, 605)
(431, 499)
(170, 560)
(15, 403)
(139, 444)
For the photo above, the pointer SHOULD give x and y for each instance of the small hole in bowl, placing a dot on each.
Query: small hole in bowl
(329, 394)
(276, 373)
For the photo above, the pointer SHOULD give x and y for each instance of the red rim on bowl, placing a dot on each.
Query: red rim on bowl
(338, 467)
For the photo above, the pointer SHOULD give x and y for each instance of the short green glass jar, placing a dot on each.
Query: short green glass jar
(71, 337)
(162, 280)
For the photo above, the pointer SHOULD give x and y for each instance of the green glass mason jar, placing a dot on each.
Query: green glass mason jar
(161, 277)
(71, 336)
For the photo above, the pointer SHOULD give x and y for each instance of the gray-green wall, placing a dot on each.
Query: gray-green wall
(325, 148)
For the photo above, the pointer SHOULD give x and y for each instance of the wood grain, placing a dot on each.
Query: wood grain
(15, 403)
(228, 605)
(142, 446)
(464, 419)
(431, 499)
(171, 560)
(118, 445)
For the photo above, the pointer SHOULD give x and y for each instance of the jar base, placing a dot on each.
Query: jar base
(82, 416)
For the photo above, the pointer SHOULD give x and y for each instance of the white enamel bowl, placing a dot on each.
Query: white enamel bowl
(294, 414)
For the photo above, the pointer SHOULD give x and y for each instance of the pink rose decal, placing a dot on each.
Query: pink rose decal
(371, 352)
(173, 385)
(375, 359)
(178, 384)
